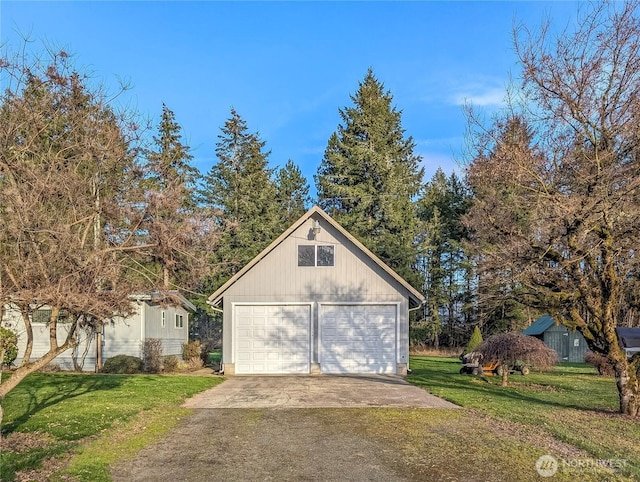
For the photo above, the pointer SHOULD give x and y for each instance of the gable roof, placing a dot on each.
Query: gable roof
(539, 326)
(414, 295)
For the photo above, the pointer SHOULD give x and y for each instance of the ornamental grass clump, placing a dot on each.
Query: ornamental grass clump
(509, 349)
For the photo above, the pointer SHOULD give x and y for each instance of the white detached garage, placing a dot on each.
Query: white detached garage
(316, 301)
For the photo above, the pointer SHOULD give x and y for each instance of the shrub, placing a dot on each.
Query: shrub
(191, 350)
(8, 343)
(152, 355)
(206, 349)
(474, 341)
(123, 364)
(600, 362)
(194, 363)
(50, 367)
(170, 364)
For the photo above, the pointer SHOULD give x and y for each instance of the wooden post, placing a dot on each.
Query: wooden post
(99, 350)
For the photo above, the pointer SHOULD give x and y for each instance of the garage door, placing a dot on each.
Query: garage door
(272, 339)
(358, 338)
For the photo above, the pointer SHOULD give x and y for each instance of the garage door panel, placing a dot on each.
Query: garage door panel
(272, 339)
(358, 338)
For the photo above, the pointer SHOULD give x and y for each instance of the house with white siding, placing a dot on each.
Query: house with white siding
(153, 317)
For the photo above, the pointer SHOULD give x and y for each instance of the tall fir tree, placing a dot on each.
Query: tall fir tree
(446, 265)
(173, 220)
(240, 188)
(370, 176)
(170, 159)
(292, 193)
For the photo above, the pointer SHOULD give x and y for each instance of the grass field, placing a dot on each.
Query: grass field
(49, 417)
(74, 426)
(571, 403)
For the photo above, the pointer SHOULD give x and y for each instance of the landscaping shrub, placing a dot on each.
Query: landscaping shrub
(170, 364)
(206, 349)
(191, 350)
(152, 355)
(194, 363)
(50, 368)
(600, 362)
(8, 344)
(123, 364)
(474, 341)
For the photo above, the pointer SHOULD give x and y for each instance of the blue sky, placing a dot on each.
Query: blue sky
(288, 67)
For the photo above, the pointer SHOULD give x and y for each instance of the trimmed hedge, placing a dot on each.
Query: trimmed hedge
(124, 364)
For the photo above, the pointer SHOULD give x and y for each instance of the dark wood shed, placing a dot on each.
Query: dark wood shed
(570, 345)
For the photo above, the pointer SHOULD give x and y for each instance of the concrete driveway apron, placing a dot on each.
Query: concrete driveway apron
(318, 391)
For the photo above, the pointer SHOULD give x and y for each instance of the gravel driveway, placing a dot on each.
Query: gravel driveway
(284, 429)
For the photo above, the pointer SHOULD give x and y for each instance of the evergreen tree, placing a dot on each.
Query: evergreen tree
(169, 162)
(292, 193)
(444, 261)
(474, 340)
(173, 221)
(240, 188)
(369, 177)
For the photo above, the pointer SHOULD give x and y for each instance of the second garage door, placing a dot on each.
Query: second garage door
(272, 339)
(358, 338)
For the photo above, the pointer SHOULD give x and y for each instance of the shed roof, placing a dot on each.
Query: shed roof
(415, 297)
(539, 326)
(172, 297)
(629, 337)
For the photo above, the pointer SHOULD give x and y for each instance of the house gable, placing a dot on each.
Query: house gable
(316, 300)
(356, 274)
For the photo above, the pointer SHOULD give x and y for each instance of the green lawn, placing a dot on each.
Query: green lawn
(77, 425)
(49, 416)
(571, 403)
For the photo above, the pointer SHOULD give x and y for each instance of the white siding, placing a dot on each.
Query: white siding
(353, 278)
(122, 336)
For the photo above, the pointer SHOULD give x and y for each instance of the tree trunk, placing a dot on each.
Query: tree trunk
(626, 372)
(505, 375)
(53, 327)
(2, 352)
(29, 329)
(627, 384)
(165, 277)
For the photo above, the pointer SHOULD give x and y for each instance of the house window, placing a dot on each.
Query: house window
(43, 315)
(163, 317)
(315, 255)
(179, 321)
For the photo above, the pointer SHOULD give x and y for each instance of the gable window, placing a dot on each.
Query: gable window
(315, 255)
(179, 321)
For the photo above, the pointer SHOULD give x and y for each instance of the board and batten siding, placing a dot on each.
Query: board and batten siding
(172, 338)
(277, 278)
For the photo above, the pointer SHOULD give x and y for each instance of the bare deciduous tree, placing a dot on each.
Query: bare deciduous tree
(77, 224)
(557, 182)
